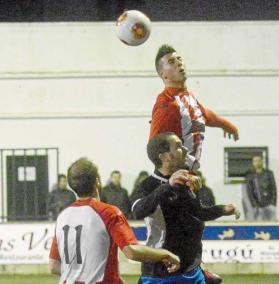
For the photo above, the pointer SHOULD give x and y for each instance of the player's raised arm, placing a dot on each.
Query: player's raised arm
(217, 211)
(146, 254)
(214, 120)
(145, 203)
(182, 180)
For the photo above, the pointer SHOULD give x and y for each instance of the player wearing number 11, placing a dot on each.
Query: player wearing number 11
(88, 233)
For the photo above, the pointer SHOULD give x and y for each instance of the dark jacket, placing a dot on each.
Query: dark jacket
(175, 221)
(261, 188)
(117, 196)
(58, 200)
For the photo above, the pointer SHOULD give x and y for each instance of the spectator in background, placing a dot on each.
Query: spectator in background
(60, 197)
(261, 191)
(141, 177)
(205, 194)
(116, 195)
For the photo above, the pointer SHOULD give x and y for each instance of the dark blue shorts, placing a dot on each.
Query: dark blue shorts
(194, 277)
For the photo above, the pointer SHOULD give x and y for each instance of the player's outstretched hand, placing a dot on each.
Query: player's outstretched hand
(172, 262)
(230, 209)
(183, 177)
(234, 135)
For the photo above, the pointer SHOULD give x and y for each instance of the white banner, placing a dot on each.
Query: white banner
(30, 244)
(25, 243)
(247, 251)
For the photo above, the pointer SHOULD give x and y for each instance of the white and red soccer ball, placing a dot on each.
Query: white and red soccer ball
(133, 27)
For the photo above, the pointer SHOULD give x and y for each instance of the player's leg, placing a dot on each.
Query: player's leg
(273, 215)
(269, 213)
(255, 213)
(259, 214)
(211, 278)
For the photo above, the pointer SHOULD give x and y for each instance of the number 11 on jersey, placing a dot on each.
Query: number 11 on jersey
(78, 230)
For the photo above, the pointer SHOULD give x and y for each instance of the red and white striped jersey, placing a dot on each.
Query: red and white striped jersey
(177, 110)
(87, 235)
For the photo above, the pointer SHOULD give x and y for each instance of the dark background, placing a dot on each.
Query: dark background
(157, 10)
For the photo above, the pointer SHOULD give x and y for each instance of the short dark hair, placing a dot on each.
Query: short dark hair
(162, 51)
(158, 145)
(115, 172)
(60, 176)
(82, 176)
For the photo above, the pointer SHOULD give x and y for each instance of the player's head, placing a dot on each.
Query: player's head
(84, 179)
(170, 66)
(62, 181)
(167, 151)
(115, 178)
(257, 162)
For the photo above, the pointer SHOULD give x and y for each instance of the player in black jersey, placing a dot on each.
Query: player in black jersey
(174, 217)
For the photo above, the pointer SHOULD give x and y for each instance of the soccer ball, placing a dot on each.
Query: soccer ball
(133, 27)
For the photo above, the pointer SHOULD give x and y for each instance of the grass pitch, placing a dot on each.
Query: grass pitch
(228, 279)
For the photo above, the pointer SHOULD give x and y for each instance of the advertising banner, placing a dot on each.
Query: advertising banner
(240, 251)
(30, 243)
(25, 243)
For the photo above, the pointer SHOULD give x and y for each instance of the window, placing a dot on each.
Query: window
(237, 161)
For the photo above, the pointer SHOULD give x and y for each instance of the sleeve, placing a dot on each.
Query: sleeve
(201, 212)
(214, 120)
(209, 213)
(273, 189)
(54, 253)
(146, 203)
(165, 118)
(120, 231)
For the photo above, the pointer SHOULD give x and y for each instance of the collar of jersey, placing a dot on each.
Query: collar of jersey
(162, 179)
(85, 201)
(175, 91)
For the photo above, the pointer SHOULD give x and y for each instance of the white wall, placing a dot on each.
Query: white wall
(76, 87)
(84, 48)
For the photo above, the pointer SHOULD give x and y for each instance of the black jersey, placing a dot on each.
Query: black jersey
(175, 221)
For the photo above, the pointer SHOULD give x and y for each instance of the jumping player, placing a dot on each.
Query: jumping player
(87, 234)
(173, 215)
(177, 110)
